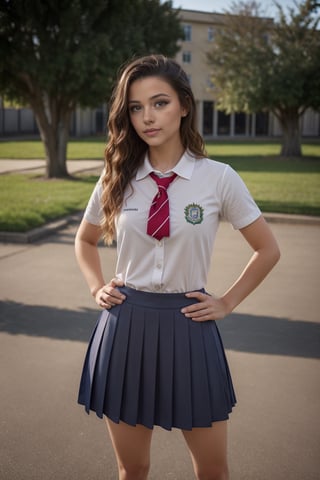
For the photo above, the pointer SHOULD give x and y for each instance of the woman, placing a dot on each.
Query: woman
(156, 357)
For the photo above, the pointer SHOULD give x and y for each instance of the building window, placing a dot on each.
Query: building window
(262, 123)
(210, 83)
(223, 123)
(207, 120)
(240, 123)
(186, 57)
(187, 29)
(210, 34)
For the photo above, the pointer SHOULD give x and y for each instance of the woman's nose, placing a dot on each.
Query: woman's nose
(148, 115)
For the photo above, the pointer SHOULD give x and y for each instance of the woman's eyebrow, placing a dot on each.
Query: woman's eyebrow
(152, 98)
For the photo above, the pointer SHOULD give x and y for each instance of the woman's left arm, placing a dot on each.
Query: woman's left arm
(266, 254)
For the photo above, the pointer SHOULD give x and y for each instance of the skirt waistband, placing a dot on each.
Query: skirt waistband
(157, 300)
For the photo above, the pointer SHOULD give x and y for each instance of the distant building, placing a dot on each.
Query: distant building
(21, 121)
(199, 31)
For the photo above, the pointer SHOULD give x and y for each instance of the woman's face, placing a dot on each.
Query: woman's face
(155, 111)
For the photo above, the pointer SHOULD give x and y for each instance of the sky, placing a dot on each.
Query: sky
(219, 6)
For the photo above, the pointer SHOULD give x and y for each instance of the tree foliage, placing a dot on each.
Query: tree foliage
(262, 65)
(57, 54)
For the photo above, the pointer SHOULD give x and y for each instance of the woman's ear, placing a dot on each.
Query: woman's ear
(185, 106)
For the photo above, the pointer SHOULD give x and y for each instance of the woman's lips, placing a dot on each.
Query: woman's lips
(151, 132)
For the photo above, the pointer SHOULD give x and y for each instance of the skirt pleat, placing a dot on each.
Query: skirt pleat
(182, 399)
(220, 384)
(199, 376)
(148, 364)
(164, 373)
(117, 367)
(148, 377)
(132, 375)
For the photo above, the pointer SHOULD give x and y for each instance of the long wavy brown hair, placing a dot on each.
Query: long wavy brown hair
(125, 150)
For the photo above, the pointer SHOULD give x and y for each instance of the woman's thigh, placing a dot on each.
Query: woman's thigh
(131, 444)
(208, 449)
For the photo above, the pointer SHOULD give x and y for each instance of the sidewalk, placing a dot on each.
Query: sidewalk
(272, 344)
(74, 166)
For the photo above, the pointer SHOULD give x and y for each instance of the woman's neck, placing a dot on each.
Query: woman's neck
(164, 159)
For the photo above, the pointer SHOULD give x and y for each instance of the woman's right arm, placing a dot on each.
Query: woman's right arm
(87, 254)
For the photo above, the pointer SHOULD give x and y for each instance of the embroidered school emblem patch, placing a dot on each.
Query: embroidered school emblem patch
(193, 213)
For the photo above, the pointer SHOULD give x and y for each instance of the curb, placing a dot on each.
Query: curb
(291, 219)
(52, 227)
(40, 232)
(30, 169)
(26, 169)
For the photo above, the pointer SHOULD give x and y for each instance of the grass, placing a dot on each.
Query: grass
(277, 184)
(28, 201)
(93, 148)
(256, 148)
(282, 185)
(78, 149)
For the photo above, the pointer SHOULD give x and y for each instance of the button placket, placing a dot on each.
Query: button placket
(158, 264)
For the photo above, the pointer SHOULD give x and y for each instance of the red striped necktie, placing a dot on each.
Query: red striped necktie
(158, 222)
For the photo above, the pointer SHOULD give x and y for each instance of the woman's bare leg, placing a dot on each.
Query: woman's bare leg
(132, 449)
(208, 449)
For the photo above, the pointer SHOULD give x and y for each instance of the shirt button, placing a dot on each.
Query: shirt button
(159, 265)
(160, 243)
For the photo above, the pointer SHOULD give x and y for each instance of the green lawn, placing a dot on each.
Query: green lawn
(257, 148)
(277, 184)
(93, 148)
(86, 148)
(28, 201)
(282, 185)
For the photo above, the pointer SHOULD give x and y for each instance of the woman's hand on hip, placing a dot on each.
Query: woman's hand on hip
(108, 296)
(207, 308)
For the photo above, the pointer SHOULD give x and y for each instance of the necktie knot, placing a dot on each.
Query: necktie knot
(162, 182)
(158, 221)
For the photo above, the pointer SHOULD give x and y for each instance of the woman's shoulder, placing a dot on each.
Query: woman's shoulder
(210, 165)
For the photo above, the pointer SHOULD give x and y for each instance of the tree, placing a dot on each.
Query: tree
(262, 65)
(57, 54)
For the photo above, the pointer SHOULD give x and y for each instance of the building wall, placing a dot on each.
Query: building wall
(17, 120)
(198, 45)
(21, 121)
(311, 123)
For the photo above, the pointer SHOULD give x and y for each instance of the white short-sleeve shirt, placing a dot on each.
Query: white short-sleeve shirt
(203, 192)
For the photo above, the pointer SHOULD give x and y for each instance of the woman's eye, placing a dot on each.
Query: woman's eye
(161, 103)
(135, 108)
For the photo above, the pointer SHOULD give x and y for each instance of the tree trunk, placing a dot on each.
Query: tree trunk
(55, 143)
(291, 140)
(54, 131)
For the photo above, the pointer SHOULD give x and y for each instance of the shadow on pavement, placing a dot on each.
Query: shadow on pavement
(271, 335)
(244, 333)
(41, 321)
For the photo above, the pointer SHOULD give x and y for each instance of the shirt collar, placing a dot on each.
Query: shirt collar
(184, 168)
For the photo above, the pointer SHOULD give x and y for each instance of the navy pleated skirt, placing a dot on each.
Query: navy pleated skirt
(148, 364)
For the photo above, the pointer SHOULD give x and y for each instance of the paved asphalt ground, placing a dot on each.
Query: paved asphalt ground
(272, 343)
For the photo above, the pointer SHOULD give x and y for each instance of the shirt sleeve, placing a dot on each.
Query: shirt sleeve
(237, 204)
(94, 212)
